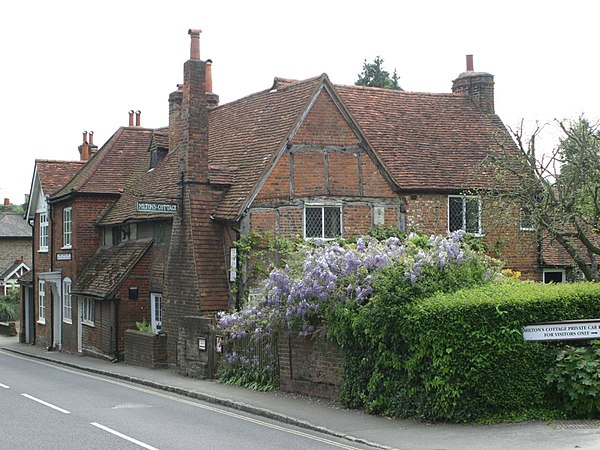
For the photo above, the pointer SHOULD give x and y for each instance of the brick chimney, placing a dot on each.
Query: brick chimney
(478, 86)
(93, 148)
(84, 149)
(175, 99)
(6, 202)
(193, 132)
(211, 98)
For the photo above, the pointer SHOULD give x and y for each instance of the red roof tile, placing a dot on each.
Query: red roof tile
(109, 268)
(107, 171)
(55, 174)
(427, 141)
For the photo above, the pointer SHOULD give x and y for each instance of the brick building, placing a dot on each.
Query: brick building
(143, 227)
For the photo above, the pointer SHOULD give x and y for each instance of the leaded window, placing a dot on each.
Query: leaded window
(464, 213)
(324, 222)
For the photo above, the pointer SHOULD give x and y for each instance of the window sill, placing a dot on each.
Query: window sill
(89, 324)
(42, 321)
(66, 247)
(69, 321)
(43, 250)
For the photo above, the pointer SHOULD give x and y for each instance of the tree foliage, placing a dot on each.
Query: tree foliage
(557, 192)
(374, 75)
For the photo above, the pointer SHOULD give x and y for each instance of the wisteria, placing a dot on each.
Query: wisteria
(335, 272)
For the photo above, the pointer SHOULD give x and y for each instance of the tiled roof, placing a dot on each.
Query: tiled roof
(107, 171)
(55, 174)
(427, 141)
(12, 225)
(158, 185)
(246, 135)
(109, 267)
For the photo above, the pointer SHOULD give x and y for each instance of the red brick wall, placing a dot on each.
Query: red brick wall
(429, 214)
(325, 125)
(343, 174)
(357, 219)
(309, 366)
(309, 174)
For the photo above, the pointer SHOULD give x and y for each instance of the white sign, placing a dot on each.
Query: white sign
(233, 264)
(202, 343)
(562, 331)
(63, 257)
(160, 207)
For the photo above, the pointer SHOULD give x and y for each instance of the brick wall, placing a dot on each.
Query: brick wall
(145, 349)
(428, 213)
(309, 366)
(325, 125)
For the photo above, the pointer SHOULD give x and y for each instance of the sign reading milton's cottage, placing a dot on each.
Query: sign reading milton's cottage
(563, 331)
(156, 207)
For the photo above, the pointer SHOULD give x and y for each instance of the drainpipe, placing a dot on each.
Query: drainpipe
(32, 313)
(50, 251)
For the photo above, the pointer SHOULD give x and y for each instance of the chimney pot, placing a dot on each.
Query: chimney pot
(91, 138)
(208, 76)
(469, 63)
(6, 202)
(138, 113)
(195, 43)
(131, 118)
(84, 149)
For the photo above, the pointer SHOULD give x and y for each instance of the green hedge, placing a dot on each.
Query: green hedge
(461, 356)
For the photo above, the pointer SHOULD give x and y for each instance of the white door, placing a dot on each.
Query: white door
(79, 327)
(156, 311)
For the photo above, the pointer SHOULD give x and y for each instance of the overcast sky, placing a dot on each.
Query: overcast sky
(82, 65)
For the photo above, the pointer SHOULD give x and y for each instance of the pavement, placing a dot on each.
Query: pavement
(332, 419)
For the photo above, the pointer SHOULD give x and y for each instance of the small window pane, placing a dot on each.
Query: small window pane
(314, 222)
(472, 215)
(332, 223)
(455, 213)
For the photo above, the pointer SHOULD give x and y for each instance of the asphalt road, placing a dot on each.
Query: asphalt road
(47, 406)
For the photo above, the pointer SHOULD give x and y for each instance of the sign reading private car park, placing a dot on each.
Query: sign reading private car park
(568, 330)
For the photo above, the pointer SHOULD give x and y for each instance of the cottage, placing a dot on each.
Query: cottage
(143, 227)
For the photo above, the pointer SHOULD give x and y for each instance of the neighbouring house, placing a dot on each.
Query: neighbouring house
(143, 228)
(15, 248)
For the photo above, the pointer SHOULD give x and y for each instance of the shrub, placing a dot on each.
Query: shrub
(465, 357)
(576, 378)
(9, 306)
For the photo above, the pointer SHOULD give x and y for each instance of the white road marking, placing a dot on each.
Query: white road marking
(4, 386)
(49, 405)
(123, 436)
(188, 402)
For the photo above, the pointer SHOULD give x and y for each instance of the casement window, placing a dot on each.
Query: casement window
(322, 222)
(87, 313)
(43, 232)
(41, 303)
(464, 213)
(67, 227)
(67, 304)
(554, 276)
(156, 310)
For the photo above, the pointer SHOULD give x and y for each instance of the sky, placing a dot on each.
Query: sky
(75, 66)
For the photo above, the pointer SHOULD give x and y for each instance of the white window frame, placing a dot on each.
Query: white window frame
(157, 313)
(43, 232)
(323, 207)
(87, 313)
(563, 272)
(67, 301)
(67, 227)
(41, 302)
(465, 198)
